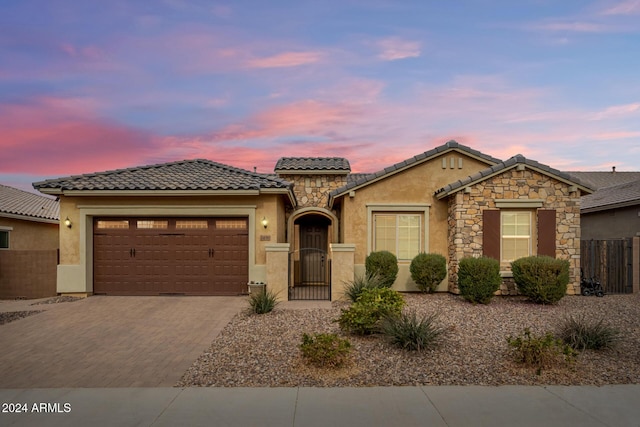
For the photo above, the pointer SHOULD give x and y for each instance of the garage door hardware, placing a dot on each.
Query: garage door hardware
(132, 253)
(212, 252)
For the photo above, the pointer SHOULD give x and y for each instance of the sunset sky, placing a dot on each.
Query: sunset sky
(90, 86)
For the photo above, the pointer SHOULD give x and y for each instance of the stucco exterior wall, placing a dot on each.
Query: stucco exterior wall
(75, 272)
(409, 190)
(465, 237)
(30, 235)
(611, 224)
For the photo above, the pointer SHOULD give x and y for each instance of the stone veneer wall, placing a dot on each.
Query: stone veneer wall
(313, 190)
(465, 220)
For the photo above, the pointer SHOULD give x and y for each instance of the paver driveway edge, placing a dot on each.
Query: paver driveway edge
(112, 341)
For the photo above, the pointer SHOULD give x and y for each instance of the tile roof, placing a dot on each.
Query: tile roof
(28, 205)
(365, 179)
(508, 164)
(338, 164)
(602, 179)
(617, 196)
(186, 175)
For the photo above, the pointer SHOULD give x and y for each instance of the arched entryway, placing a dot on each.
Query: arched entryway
(310, 262)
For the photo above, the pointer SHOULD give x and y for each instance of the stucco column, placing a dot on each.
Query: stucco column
(278, 269)
(342, 260)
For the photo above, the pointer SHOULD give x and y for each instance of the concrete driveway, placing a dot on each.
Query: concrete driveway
(109, 341)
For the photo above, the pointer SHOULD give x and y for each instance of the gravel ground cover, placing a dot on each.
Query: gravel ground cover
(10, 316)
(262, 350)
(57, 300)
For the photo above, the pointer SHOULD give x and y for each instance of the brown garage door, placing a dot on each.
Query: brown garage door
(153, 256)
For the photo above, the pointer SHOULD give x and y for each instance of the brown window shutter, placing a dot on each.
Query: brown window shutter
(547, 232)
(491, 234)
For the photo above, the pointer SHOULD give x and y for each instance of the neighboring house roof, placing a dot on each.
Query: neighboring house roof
(20, 204)
(501, 167)
(366, 179)
(597, 180)
(617, 196)
(312, 164)
(187, 176)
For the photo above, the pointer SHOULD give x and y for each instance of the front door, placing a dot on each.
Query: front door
(313, 253)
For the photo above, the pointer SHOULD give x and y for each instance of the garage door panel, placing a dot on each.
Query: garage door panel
(151, 256)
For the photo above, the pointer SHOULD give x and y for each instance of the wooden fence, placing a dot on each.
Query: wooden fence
(610, 261)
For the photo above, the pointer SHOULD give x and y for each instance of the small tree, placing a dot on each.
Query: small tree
(479, 279)
(383, 264)
(541, 278)
(428, 270)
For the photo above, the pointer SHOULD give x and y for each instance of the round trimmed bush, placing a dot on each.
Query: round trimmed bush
(479, 279)
(428, 270)
(373, 304)
(542, 279)
(383, 264)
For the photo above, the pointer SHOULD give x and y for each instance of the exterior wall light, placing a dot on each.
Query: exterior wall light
(67, 222)
(264, 222)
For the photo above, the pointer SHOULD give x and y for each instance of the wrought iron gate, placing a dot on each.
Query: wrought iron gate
(309, 275)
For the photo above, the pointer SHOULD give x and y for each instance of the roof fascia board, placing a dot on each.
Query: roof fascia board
(582, 188)
(311, 172)
(619, 205)
(29, 218)
(409, 166)
(161, 192)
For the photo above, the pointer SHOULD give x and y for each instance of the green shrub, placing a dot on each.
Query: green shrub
(540, 350)
(428, 270)
(325, 350)
(541, 278)
(412, 333)
(383, 264)
(363, 316)
(262, 302)
(479, 279)
(354, 288)
(582, 333)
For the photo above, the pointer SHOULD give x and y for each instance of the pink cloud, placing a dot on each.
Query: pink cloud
(572, 26)
(617, 110)
(286, 59)
(62, 136)
(394, 48)
(628, 7)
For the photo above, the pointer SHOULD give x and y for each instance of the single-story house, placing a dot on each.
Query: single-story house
(29, 241)
(203, 228)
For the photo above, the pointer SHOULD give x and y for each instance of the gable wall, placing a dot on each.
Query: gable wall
(313, 190)
(416, 186)
(465, 218)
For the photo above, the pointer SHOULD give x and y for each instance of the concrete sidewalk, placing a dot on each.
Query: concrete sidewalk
(376, 406)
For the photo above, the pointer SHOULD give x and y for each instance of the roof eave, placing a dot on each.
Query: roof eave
(347, 189)
(81, 193)
(625, 204)
(579, 186)
(312, 171)
(29, 218)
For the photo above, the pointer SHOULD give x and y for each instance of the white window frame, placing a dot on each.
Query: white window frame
(529, 238)
(422, 210)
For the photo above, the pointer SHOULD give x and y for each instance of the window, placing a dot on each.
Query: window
(515, 236)
(192, 224)
(152, 224)
(398, 234)
(231, 223)
(4, 239)
(113, 224)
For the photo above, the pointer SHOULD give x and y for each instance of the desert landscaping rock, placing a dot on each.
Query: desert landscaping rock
(262, 350)
(15, 315)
